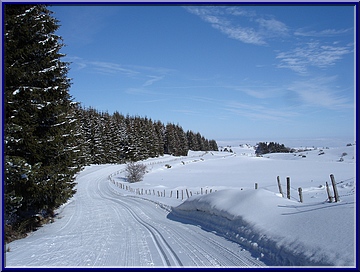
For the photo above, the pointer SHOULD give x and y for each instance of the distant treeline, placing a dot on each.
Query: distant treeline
(272, 147)
(115, 138)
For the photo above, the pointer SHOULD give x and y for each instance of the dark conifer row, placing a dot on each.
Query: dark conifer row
(117, 138)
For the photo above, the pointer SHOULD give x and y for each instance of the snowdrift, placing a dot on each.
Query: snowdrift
(281, 231)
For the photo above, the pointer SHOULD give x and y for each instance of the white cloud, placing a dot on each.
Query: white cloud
(273, 27)
(322, 33)
(238, 11)
(246, 35)
(222, 19)
(319, 92)
(312, 54)
(152, 80)
(112, 68)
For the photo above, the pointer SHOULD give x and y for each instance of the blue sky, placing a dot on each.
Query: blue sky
(236, 71)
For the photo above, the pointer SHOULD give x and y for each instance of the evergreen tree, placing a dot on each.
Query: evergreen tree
(170, 140)
(213, 145)
(41, 152)
(160, 137)
(192, 141)
(182, 142)
(120, 136)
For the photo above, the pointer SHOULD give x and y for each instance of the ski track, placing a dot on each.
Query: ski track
(100, 228)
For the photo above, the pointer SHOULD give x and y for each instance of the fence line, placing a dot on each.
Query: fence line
(336, 196)
(181, 193)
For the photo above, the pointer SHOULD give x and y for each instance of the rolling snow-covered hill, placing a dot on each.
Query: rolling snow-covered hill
(213, 192)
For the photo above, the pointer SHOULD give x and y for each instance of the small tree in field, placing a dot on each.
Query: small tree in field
(135, 171)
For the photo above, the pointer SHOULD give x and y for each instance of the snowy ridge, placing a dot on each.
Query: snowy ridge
(277, 248)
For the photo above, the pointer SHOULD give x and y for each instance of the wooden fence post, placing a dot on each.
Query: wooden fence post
(182, 194)
(187, 193)
(300, 194)
(279, 185)
(177, 194)
(328, 192)
(334, 187)
(201, 191)
(256, 186)
(288, 187)
(170, 194)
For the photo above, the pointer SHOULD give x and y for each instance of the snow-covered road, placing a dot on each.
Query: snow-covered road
(100, 227)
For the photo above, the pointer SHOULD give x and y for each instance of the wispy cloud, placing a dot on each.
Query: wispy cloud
(149, 75)
(322, 33)
(312, 54)
(102, 67)
(224, 20)
(152, 80)
(320, 92)
(259, 112)
(259, 92)
(187, 112)
(112, 68)
(272, 27)
(153, 101)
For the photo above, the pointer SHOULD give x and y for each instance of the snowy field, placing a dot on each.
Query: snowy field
(203, 210)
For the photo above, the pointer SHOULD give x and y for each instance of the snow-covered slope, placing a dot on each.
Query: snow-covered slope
(283, 231)
(215, 191)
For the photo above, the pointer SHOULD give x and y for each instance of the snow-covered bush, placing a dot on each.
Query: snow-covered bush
(135, 172)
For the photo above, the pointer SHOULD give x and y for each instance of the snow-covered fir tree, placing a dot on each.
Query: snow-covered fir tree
(40, 146)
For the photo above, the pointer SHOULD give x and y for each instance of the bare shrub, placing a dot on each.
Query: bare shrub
(135, 172)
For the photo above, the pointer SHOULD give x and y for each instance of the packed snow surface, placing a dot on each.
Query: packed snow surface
(203, 210)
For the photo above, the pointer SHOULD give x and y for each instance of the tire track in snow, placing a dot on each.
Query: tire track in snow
(157, 237)
(213, 249)
(208, 255)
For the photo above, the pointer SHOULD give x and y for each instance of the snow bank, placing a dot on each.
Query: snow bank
(281, 231)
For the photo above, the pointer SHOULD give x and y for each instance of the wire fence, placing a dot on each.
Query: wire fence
(346, 183)
(289, 193)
